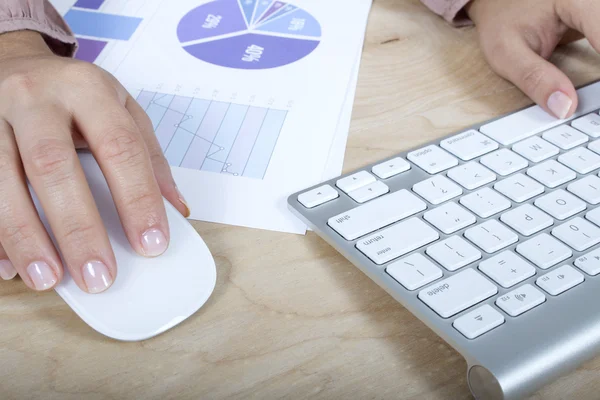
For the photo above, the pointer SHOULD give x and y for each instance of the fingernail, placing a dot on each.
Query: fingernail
(185, 204)
(96, 276)
(41, 275)
(7, 271)
(560, 104)
(154, 243)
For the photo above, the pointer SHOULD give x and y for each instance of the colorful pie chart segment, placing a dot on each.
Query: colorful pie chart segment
(249, 34)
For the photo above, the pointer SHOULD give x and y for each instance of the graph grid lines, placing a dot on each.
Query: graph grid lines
(214, 136)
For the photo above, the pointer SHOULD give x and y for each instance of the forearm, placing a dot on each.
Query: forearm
(38, 16)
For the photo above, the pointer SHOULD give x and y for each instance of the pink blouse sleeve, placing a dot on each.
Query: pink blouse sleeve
(451, 10)
(40, 16)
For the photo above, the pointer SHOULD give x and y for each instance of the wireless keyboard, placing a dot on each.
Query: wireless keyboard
(490, 236)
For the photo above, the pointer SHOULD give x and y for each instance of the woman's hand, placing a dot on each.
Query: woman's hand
(518, 36)
(49, 106)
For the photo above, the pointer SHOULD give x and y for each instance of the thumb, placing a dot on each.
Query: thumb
(539, 79)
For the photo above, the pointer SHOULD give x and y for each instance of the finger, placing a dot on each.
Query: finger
(582, 16)
(118, 146)
(162, 170)
(24, 239)
(539, 79)
(7, 269)
(53, 168)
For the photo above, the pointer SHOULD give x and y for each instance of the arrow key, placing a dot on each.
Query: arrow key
(318, 196)
(369, 192)
(478, 321)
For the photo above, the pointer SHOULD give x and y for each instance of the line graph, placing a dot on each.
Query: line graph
(215, 136)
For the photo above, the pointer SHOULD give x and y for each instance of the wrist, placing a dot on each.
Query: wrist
(22, 44)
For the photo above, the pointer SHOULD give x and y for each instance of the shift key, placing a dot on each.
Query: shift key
(457, 293)
(376, 214)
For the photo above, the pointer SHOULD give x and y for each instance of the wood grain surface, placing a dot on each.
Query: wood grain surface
(290, 318)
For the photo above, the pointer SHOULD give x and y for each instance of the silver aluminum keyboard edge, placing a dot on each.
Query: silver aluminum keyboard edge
(520, 356)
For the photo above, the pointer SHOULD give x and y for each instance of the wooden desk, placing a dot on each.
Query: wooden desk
(290, 318)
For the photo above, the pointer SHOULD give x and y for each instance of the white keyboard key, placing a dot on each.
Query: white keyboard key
(491, 236)
(376, 214)
(587, 188)
(536, 149)
(527, 219)
(589, 124)
(485, 202)
(520, 300)
(469, 145)
(449, 218)
(504, 162)
(581, 160)
(414, 271)
(578, 233)
(318, 196)
(565, 137)
(391, 168)
(560, 204)
(589, 263)
(457, 293)
(396, 241)
(594, 216)
(507, 269)
(594, 146)
(479, 321)
(551, 173)
(432, 159)
(437, 189)
(519, 188)
(369, 192)
(560, 280)
(453, 253)
(355, 181)
(471, 175)
(544, 251)
(532, 120)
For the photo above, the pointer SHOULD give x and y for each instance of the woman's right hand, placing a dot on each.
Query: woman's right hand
(49, 106)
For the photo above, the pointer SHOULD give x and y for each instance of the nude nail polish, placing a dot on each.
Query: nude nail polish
(184, 202)
(7, 270)
(42, 275)
(560, 104)
(96, 276)
(154, 242)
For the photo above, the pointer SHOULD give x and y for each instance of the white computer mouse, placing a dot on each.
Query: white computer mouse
(149, 295)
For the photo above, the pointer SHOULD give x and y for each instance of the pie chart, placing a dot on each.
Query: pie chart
(249, 34)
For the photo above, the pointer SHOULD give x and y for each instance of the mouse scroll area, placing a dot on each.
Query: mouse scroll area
(149, 295)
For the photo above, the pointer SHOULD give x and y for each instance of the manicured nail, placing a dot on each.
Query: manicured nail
(185, 204)
(7, 271)
(96, 276)
(560, 104)
(42, 276)
(154, 243)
